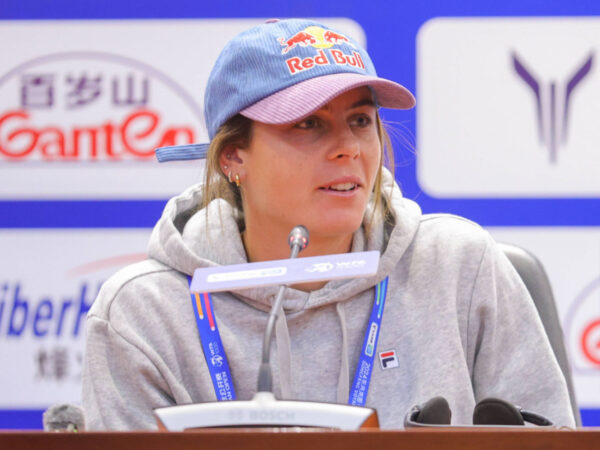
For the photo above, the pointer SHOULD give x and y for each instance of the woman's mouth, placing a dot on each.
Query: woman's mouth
(341, 187)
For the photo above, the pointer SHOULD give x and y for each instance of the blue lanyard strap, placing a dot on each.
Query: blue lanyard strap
(364, 369)
(218, 366)
(216, 359)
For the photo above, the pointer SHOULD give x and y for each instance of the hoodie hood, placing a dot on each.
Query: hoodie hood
(186, 238)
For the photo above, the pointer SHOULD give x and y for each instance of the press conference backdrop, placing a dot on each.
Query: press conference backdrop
(505, 133)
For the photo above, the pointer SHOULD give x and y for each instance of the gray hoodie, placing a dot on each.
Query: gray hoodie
(457, 316)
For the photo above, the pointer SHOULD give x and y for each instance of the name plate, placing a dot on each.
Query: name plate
(285, 271)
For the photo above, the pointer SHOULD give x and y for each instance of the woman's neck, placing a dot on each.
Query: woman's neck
(264, 244)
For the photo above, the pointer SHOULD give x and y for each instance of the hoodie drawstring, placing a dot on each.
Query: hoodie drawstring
(343, 389)
(284, 356)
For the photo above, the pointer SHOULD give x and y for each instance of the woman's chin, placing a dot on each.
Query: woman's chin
(332, 226)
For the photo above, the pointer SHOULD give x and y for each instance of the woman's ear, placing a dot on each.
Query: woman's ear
(232, 162)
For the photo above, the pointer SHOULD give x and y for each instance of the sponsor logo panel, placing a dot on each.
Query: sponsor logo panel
(571, 258)
(48, 282)
(512, 113)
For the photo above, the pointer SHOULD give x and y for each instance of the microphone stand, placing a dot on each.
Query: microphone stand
(298, 240)
(264, 410)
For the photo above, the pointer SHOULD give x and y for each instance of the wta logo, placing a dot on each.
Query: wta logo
(552, 102)
(322, 40)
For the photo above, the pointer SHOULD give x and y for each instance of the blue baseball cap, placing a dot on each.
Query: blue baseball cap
(281, 71)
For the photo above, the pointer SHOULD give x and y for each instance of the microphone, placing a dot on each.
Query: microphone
(495, 411)
(434, 412)
(488, 412)
(64, 417)
(298, 241)
(264, 410)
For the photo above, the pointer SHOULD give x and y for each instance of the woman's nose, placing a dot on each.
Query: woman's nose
(345, 144)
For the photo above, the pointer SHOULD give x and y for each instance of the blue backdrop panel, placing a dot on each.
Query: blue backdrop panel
(391, 29)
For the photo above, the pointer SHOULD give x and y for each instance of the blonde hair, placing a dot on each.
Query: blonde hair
(237, 131)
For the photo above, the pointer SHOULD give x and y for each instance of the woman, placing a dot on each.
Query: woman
(292, 113)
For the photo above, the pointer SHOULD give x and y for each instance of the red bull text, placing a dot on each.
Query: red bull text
(296, 65)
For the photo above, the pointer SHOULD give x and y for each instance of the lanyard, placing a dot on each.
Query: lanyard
(218, 366)
(362, 377)
(216, 359)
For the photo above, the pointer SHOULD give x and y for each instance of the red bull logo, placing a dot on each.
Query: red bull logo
(321, 40)
(301, 38)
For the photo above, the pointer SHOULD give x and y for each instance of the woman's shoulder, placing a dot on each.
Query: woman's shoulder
(450, 241)
(452, 230)
(450, 221)
(131, 285)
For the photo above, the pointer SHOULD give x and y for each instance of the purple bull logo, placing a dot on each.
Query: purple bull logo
(552, 103)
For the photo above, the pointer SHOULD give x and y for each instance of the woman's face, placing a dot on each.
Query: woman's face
(318, 172)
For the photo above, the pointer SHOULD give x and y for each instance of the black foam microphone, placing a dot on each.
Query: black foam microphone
(64, 417)
(495, 411)
(298, 240)
(434, 412)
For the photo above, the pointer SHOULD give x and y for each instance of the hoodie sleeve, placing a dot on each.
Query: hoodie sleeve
(511, 355)
(121, 386)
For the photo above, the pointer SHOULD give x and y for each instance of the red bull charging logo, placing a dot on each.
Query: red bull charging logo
(321, 40)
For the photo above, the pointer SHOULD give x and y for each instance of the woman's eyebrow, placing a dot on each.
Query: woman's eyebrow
(363, 102)
(358, 104)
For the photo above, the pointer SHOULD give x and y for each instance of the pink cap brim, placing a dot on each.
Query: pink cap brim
(301, 99)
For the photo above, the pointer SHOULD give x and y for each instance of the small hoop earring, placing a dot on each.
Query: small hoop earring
(237, 180)
(229, 176)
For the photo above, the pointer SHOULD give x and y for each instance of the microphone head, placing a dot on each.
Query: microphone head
(298, 237)
(64, 417)
(494, 411)
(434, 412)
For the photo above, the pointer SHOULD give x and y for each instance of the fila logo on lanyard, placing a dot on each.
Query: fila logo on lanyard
(218, 366)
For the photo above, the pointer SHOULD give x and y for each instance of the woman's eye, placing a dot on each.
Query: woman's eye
(362, 121)
(308, 124)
